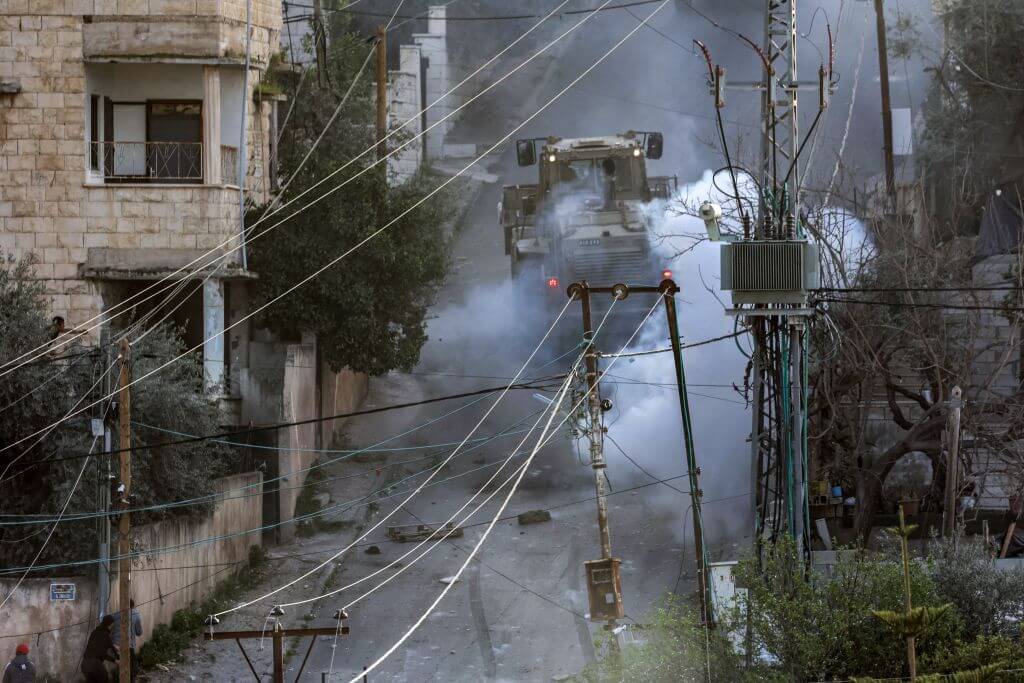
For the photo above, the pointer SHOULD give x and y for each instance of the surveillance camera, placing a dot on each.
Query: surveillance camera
(710, 214)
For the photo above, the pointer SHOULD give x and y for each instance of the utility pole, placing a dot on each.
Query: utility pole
(278, 635)
(952, 439)
(604, 585)
(124, 540)
(320, 44)
(883, 77)
(776, 320)
(103, 573)
(669, 290)
(596, 431)
(382, 91)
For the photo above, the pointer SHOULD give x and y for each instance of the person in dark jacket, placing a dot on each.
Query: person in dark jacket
(99, 649)
(20, 669)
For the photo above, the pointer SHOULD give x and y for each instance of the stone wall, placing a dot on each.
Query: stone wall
(57, 631)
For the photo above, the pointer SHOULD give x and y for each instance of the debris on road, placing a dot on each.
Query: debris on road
(372, 550)
(534, 517)
(419, 532)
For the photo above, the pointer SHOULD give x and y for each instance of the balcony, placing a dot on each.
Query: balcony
(152, 162)
(209, 31)
(157, 162)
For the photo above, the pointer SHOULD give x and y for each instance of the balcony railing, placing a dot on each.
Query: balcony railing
(229, 165)
(152, 162)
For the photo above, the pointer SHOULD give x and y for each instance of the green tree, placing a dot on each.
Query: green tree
(821, 627)
(368, 311)
(36, 395)
(674, 648)
(913, 622)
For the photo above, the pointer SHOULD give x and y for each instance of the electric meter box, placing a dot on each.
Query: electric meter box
(604, 587)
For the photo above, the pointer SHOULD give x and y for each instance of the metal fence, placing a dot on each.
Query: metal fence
(160, 162)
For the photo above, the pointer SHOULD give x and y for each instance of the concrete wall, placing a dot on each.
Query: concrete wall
(158, 593)
(280, 385)
(996, 373)
(441, 75)
(997, 369)
(299, 442)
(30, 616)
(405, 101)
(342, 392)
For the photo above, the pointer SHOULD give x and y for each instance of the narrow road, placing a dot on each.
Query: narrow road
(520, 613)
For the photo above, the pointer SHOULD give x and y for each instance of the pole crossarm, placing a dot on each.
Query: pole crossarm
(285, 633)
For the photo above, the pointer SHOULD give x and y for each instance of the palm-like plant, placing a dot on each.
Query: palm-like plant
(912, 623)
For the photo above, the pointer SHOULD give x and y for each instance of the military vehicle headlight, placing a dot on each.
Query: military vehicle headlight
(636, 151)
(551, 158)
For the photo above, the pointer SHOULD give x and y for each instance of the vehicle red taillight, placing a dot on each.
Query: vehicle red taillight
(666, 274)
(553, 282)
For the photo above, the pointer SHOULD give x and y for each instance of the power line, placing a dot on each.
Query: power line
(290, 556)
(843, 290)
(705, 342)
(46, 431)
(515, 485)
(221, 495)
(344, 506)
(67, 501)
(501, 17)
(953, 307)
(552, 406)
(419, 488)
(312, 420)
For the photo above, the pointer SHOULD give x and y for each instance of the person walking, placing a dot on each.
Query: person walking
(20, 669)
(98, 650)
(134, 631)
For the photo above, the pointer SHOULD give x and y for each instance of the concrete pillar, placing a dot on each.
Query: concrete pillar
(405, 102)
(437, 20)
(211, 125)
(213, 324)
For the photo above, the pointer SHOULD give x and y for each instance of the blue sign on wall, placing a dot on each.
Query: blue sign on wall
(62, 591)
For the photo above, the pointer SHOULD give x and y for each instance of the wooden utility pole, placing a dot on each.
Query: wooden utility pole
(320, 44)
(604, 582)
(278, 635)
(597, 461)
(952, 439)
(382, 91)
(124, 523)
(883, 74)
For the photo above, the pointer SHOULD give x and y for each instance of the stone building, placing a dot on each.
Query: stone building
(126, 125)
